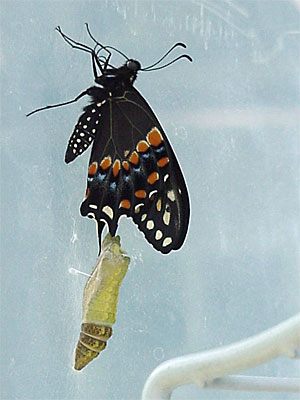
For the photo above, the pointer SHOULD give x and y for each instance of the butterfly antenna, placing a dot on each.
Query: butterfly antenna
(179, 44)
(171, 62)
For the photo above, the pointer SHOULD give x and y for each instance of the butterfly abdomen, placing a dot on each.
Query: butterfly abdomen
(88, 125)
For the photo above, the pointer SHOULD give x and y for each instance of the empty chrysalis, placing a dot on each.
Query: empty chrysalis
(100, 300)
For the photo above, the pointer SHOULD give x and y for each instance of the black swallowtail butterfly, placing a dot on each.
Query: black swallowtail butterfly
(133, 170)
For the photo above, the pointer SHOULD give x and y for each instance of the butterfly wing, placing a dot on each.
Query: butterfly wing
(133, 171)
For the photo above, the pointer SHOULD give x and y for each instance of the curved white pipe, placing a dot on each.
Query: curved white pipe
(201, 368)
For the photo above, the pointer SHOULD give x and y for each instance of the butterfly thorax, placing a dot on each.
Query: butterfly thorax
(115, 78)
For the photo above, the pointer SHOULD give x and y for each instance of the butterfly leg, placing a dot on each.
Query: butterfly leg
(100, 45)
(73, 43)
(83, 47)
(96, 63)
(95, 58)
(59, 104)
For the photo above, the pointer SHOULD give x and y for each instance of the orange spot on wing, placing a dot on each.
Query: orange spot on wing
(154, 137)
(87, 192)
(125, 165)
(141, 194)
(153, 177)
(93, 168)
(142, 146)
(116, 168)
(134, 158)
(125, 204)
(163, 162)
(105, 163)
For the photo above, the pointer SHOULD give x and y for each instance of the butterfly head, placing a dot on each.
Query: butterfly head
(133, 65)
(130, 69)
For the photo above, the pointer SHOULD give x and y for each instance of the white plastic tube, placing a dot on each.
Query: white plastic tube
(255, 383)
(203, 368)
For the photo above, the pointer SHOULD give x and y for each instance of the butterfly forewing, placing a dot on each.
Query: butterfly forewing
(133, 171)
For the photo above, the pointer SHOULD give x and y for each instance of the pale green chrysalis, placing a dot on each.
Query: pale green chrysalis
(100, 300)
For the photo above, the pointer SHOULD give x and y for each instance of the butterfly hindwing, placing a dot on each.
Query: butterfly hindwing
(133, 171)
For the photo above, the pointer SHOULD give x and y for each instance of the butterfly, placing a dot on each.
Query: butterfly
(133, 170)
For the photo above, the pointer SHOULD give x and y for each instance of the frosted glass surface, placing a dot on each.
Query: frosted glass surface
(232, 117)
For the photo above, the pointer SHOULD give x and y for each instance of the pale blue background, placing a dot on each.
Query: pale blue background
(233, 119)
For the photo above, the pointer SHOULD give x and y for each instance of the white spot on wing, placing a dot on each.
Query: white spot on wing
(150, 225)
(158, 235)
(143, 217)
(171, 195)
(108, 211)
(137, 208)
(166, 217)
(93, 206)
(158, 204)
(152, 194)
(167, 241)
